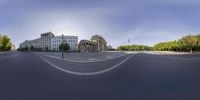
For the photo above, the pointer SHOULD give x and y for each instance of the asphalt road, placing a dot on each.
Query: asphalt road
(25, 76)
(84, 57)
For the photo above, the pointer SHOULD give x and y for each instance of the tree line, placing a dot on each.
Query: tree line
(134, 48)
(186, 43)
(5, 43)
(166, 46)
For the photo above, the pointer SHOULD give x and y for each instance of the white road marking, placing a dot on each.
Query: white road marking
(89, 61)
(84, 73)
(109, 57)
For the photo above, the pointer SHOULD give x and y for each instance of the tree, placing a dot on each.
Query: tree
(121, 48)
(188, 43)
(32, 48)
(5, 43)
(1, 43)
(64, 47)
(198, 42)
(134, 48)
(166, 46)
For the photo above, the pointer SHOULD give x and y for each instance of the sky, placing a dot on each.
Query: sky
(143, 22)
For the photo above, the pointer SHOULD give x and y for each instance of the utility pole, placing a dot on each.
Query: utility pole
(98, 45)
(128, 41)
(62, 47)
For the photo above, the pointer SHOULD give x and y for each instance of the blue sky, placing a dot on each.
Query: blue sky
(142, 21)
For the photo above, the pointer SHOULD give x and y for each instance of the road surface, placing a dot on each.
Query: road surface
(26, 76)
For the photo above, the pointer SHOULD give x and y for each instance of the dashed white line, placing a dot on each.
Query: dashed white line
(85, 73)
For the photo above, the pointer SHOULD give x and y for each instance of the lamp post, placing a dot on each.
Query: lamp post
(98, 45)
(128, 41)
(62, 47)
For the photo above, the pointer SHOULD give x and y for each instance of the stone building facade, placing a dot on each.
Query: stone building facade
(97, 44)
(87, 46)
(100, 41)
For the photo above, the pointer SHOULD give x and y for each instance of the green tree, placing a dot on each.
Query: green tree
(1, 43)
(166, 46)
(188, 43)
(32, 48)
(198, 42)
(134, 48)
(5, 43)
(64, 47)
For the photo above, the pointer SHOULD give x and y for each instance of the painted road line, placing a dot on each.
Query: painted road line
(92, 59)
(109, 57)
(85, 73)
(73, 61)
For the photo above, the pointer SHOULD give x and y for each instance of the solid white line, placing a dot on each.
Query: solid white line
(85, 73)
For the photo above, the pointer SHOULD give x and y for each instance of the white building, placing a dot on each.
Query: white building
(26, 43)
(36, 43)
(48, 41)
(72, 41)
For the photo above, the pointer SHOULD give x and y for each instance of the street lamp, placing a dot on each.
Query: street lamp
(62, 47)
(98, 45)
